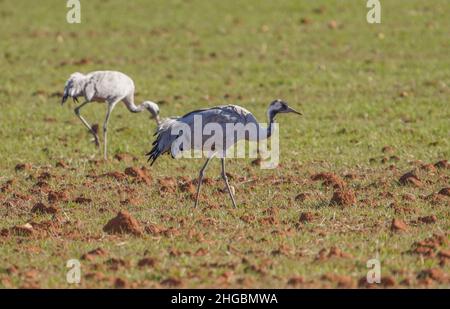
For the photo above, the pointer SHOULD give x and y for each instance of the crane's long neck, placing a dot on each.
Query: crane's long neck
(267, 132)
(151, 107)
(136, 109)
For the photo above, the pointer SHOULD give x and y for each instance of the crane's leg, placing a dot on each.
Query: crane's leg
(200, 179)
(225, 178)
(86, 124)
(105, 131)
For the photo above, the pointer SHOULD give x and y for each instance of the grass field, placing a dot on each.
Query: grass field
(375, 100)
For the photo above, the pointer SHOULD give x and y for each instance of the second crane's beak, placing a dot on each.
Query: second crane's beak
(291, 110)
(64, 98)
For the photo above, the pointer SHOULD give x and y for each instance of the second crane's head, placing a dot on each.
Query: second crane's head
(153, 108)
(278, 106)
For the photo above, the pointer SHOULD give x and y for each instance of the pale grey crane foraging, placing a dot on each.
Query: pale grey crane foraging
(221, 115)
(105, 86)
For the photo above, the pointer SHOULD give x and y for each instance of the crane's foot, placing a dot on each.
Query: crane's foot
(95, 141)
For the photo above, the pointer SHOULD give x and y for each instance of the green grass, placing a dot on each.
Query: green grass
(348, 82)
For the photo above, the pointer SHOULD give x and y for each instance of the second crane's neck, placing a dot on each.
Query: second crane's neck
(271, 119)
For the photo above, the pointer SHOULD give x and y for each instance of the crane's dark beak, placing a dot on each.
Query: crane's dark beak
(64, 98)
(291, 110)
(75, 99)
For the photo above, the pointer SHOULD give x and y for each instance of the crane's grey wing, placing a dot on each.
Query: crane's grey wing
(220, 115)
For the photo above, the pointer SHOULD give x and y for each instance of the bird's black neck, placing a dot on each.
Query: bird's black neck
(271, 117)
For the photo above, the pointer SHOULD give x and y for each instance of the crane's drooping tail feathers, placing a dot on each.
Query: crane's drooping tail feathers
(164, 139)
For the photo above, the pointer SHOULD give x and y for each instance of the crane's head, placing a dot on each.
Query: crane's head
(153, 108)
(279, 106)
(72, 87)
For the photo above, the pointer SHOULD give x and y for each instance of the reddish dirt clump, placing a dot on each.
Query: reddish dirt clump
(23, 167)
(306, 217)
(434, 274)
(147, 262)
(428, 219)
(57, 196)
(398, 225)
(342, 281)
(167, 185)
(188, 187)
(330, 179)
(442, 164)
(303, 197)
(82, 200)
(333, 252)
(429, 246)
(43, 209)
(444, 191)
(123, 223)
(140, 174)
(296, 281)
(61, 164)
(171, 282)
(125, 157)
(115, 175)
(343, 198)
(410, 179)
(91, 255)
(120, 283)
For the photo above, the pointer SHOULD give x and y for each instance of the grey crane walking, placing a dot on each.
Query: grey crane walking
(105, 86)
(168, 142)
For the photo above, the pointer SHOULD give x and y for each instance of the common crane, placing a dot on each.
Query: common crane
(105, 86)
(221, 115)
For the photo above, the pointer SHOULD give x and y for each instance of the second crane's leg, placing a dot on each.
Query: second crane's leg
(105, 131)
(86, 124)
(200, 179)
(225, 178)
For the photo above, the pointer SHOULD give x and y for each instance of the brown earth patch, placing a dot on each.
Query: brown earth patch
(342, 281)
(167, 185)
(410, 179)
(428, 168)
(409, 197)
(434, 274)
(305, 196)
(93, 254)
(445, 191)
(125, 157)
(388, 149)
(330, 179)
(306, 217)
(428, 219)
(139, 174)
(171, 282)
(23, 167)
(296, 281)
(443, 164)
(43, 209)
(188, 187)
(123, 223)
(82, 200)
(114, 175)
(398, 225)
(61, 164)
(430, 246)
(343, 198)
(146, 262)
(325, 254)
(58, 196)
(131, 201)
